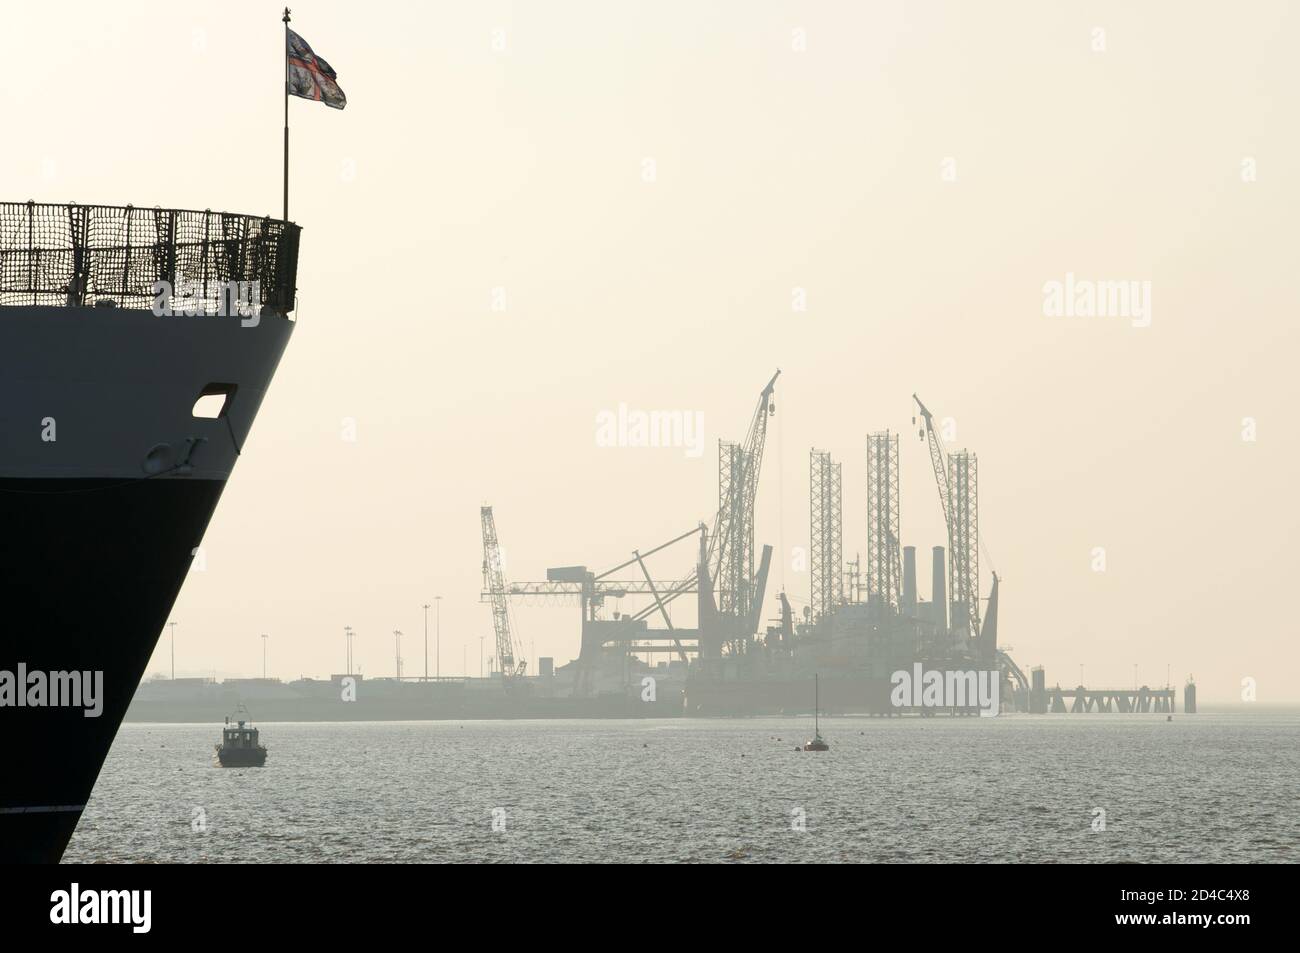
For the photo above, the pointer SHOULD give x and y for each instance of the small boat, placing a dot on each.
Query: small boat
(239, 746)
(817, 744)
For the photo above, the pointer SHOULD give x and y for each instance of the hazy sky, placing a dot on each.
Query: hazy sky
(920, 169)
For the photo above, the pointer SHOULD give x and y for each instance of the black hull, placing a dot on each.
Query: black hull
(231, 759)
(108, 477)
(89, 571)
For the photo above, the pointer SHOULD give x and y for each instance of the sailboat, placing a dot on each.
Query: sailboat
(817, 744)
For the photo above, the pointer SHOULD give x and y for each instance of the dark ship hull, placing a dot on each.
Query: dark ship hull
(107, 479)
(241, 758)
(99, 564)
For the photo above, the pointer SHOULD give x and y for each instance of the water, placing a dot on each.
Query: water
(1021, 788)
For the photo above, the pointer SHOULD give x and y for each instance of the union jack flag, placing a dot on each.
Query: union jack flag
(310, 76)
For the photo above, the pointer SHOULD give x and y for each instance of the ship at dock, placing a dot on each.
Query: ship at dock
(861, 626)
(136, 345)
(749, 653)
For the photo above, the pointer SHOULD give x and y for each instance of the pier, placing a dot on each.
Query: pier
(1144, 699)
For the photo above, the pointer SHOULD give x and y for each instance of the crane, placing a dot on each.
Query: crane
(961, 564)
(591, 590)
(731, 547)
(938, 462)
(494, 584)
(727, 554)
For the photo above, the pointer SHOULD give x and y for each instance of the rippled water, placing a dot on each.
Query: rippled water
(1019, 788)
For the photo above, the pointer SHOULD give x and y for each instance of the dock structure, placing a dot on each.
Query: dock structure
(854, 634)
(1140, 700)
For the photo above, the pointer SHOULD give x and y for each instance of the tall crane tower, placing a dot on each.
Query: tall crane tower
(494, 584)
(725, 564)
(961, 515)
(730, 591)
(731, 547)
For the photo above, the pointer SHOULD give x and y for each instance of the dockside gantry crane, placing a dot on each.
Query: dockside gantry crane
(725, 566)
(591, 590)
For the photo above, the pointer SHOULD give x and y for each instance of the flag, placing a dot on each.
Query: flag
(310, 76)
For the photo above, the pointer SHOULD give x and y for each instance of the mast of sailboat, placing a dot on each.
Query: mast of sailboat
(817, 702)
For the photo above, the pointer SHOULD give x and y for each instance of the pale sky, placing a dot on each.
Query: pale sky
(920, 169)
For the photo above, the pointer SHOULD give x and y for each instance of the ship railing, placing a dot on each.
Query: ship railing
(74, 255)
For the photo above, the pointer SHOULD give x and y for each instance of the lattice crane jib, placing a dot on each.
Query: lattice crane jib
(943, 482)
(731, 547)
(937, 461)
(494, 584)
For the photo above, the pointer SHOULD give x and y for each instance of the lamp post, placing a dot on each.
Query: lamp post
(397, 652)
(437, 618)
(426, 641)
(347, 642)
